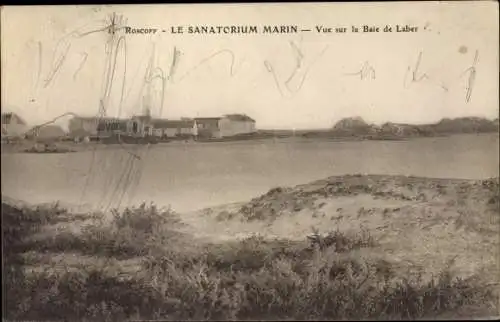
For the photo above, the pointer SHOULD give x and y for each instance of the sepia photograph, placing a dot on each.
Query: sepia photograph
(279, 161)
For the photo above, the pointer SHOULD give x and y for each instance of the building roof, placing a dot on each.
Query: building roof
(207, 118)
(7, 118)
(86, 118)
(48, 131)
(99, 119)
(142, 117)
(239, 117)
(165, 124)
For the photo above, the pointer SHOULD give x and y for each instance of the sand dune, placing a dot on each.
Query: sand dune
(420, 222)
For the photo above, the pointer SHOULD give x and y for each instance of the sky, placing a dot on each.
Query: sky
(58, 60)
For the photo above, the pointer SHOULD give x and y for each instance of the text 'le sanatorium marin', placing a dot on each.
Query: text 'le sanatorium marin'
(276, 29)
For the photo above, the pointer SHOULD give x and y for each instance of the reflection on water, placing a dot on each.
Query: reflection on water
(194, 176)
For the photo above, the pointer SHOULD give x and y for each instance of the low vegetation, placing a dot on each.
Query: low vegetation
(356, 127)
(322, 277)
(48, 149)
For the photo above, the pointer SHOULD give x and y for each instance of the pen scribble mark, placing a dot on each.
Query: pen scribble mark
(112, 70)
(132, 167)
(175, 61)
(33, 129)
(366, 71)
(39, 73)
(57, 62)
(298, 52)
(137, 178)
(65, 43)
(80, 66)
(472, 77)
(270, 69)
(144, 78)
(114, 45)
(122, 184)
(112, 49)
(415, 73)
(131, 175)
(209, 58)
(298, 73)
(115, 24)
(135, 77)
(299, 57)
(153, 73)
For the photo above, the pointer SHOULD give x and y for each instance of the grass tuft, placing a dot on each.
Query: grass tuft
(254, 278)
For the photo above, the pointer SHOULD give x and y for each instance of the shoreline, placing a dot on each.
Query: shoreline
(72, 147)
(222, 207)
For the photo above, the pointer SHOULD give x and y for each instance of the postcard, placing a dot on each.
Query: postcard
(332, 161)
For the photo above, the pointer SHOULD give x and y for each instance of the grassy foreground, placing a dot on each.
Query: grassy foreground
(139, 266)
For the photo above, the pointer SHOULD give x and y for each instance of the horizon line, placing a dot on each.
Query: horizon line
(268, 128)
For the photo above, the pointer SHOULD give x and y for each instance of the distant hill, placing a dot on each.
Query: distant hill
(389, 129)
(357, 128)
(353, 126)
(465, 125)
(351, 123)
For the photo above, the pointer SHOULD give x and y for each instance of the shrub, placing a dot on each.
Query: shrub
(143, 218)
(254, 278)
(341, 241)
